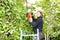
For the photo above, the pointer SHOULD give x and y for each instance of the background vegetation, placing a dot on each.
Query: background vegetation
(13, 17)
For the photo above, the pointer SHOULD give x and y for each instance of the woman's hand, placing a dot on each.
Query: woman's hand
(29, 16)
(30, 20)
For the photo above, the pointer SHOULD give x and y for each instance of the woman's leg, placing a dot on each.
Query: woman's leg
(35, 32)
(40, 35)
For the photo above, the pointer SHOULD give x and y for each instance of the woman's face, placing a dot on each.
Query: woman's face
(38, 14)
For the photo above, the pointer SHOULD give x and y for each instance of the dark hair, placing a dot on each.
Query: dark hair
(41, 13)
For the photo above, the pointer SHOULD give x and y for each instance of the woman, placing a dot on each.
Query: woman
(38, 24)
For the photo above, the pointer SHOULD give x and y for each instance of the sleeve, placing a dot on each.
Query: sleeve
(36, 23)
(33, 18)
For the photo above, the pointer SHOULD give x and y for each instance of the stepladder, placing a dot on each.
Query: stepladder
(32, 35)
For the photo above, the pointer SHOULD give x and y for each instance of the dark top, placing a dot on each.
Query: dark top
(38, 24)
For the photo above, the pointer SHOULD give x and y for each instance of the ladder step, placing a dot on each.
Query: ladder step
(30, 35)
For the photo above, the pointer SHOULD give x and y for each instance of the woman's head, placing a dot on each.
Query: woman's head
(39, 14)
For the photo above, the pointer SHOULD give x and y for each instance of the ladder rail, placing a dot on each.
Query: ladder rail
(21, 35)
(37, 34)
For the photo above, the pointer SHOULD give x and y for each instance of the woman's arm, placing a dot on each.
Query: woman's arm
(37, 22)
